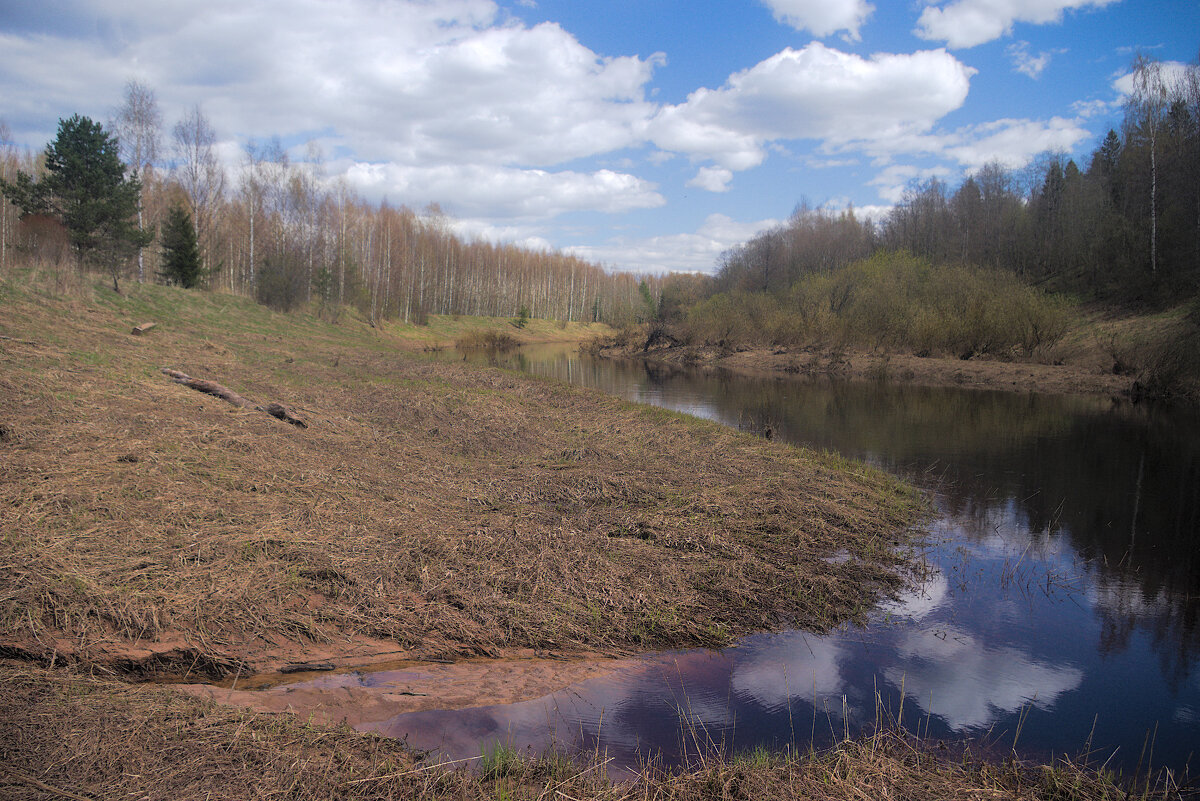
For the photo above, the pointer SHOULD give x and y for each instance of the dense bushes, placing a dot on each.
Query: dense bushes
(890, 301)
(282, 283)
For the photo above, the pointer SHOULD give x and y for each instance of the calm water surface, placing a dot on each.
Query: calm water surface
(1064, 606)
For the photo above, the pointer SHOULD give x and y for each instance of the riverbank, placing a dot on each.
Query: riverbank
(426, 510)
(442, 331)
(1131, 356)
(67, 734)
(1082, 369)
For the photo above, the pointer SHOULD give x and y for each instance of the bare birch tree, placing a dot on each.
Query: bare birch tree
(8, 171)
(138, 126)
(1150, 96)
(200, 174)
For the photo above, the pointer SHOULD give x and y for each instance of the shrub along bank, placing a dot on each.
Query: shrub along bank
(893, 301)
(900, 316)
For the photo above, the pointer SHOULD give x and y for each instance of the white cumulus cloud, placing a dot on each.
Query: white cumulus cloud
(1026, 62)
(713, 179)
(1012, 143)
(687, 252)
(1173, 74)
(813, 93)
(492, 191)
(893, 180)
(421, 82)
(822, 17)
(966, 23)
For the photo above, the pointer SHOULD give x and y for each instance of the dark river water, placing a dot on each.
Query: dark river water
(1063, 610)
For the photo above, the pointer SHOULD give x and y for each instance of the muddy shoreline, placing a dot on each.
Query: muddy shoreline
(386, 689)
(67, 734)
(981, 373)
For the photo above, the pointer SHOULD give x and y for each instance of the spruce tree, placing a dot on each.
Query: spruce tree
(180, 250)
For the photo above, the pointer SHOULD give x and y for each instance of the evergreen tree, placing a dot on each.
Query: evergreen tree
(180, 250)
(85, 187)
(1107, 156)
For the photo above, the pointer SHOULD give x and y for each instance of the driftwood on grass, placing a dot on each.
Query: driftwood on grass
(138, 330)
(18, 341)
(276, 410)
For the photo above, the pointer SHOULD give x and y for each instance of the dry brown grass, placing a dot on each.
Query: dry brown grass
(65, 734)
(448, 509)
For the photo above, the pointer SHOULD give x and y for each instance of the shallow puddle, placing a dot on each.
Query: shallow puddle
(365, 698)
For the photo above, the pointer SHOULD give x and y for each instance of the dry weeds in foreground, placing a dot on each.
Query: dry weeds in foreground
(66, 735)
(443, 509)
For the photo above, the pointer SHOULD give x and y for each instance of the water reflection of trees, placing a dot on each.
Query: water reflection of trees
(1122, 482)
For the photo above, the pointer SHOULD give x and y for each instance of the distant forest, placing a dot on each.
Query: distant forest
(1009, 264)
(279, 231)
(1123, 228)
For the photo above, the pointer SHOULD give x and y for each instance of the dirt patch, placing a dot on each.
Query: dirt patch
(428, 510)
(392, 689)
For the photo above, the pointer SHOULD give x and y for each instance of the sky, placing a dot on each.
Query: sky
(644, 135)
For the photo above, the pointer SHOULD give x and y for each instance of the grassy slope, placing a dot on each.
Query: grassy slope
(442, 331)
(133, 507)
(445, 509)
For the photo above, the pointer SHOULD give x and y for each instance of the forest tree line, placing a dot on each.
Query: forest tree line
(997, 266)
(279, 230)
(1123, 228)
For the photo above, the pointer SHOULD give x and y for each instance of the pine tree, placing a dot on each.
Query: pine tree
(85, 187)
(180, 250)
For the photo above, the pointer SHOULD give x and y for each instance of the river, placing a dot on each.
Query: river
(1062, 614)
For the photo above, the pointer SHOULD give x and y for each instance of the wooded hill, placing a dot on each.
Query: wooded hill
(1001, 266)
(1123, 228)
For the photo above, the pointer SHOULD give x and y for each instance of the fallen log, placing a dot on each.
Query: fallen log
(20, 341)
(307, 667)
(280, 412)
(276, 410)
(207, 387)
(138, 330)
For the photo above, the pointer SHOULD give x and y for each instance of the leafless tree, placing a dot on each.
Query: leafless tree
(7, 172)
(199, 172)
(1190, 89)
(1150, 97)
(138, 125)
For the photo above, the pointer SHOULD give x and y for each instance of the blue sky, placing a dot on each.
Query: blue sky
(641, 134)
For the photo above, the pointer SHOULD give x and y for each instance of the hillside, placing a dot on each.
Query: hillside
(427, 509)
